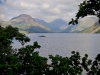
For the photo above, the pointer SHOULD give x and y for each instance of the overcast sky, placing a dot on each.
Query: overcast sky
(47, 10)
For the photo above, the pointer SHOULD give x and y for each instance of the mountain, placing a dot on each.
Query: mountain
(26, 23)
(83, 24)
(41, 21)
(58, 25)
(68, 29)
(93, 29)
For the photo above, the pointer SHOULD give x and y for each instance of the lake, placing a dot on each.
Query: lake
(64, 43)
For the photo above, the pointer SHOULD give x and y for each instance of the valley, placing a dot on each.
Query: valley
(28, 24)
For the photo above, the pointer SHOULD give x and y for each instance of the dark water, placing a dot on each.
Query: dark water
(64, 43)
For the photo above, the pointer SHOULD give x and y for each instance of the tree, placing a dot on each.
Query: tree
(24, 60)
(88, 7)
(6, 36)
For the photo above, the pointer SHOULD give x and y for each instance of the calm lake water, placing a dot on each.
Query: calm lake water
(64, 43)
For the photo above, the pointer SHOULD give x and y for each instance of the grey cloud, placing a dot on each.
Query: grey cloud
(44, 9)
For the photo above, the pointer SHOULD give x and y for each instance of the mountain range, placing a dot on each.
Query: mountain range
(27, 24)
(83, 24)
(59, 25)
(56, 25)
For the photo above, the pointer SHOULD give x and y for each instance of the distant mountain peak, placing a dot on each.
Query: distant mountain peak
(58, 22)
(58, 19)
(24, 17)
(26, 23)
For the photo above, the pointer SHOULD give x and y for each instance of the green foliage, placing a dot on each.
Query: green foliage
(6, 36)
(88, 7)
(21, 61)
(26, 61)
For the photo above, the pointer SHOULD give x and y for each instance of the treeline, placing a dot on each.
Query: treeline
(26, 61)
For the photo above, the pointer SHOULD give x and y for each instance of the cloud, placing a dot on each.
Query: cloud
(43, 9)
